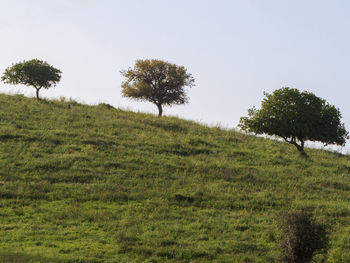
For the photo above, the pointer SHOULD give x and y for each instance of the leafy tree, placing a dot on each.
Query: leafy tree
(301, 237)
(158, 82)
(36, 73)
(296, 117)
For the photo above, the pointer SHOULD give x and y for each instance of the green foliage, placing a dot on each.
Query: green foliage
(301, 237)
(296, 117)
(158, 82)
(36, 73)
(97, 184)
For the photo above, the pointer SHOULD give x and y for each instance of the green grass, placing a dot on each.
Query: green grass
(98, 184)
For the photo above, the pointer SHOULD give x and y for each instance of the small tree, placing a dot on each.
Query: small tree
(36, 73)
(301, 237)
(158, 82)
(296, 117)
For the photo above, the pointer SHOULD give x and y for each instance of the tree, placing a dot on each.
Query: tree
(296, 117)
(158, 82)
(301, 237)
(36, 73)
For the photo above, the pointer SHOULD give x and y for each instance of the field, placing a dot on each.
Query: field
(99, 184)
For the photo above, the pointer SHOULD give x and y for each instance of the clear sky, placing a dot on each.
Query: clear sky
(235, 49)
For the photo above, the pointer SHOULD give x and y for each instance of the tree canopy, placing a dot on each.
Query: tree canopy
(36, 73)
(296, 117)
(157, 81)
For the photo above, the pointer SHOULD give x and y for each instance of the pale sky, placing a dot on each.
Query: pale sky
(235, 49)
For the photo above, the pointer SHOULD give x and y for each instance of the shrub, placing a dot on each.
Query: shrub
(301, 237)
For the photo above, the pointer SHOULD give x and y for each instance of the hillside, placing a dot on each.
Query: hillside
(98, 184)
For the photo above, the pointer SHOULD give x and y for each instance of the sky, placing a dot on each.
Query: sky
(235, 49)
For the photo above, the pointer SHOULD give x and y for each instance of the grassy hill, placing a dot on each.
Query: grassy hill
(98, 184)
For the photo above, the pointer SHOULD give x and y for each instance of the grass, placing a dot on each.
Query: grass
(98, 184)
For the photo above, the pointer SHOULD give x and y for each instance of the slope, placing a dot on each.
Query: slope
(98, 184)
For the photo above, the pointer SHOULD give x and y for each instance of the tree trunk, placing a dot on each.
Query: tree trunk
(37, 93)
(300, 147)
(160, 109)
(301, 150)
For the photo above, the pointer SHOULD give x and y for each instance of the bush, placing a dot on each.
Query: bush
(301, 237)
